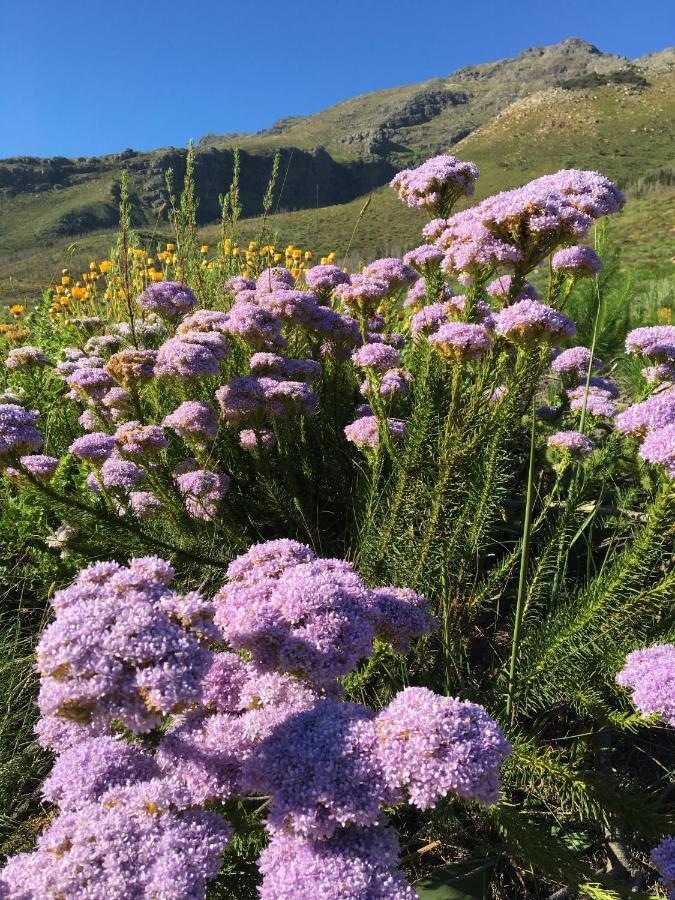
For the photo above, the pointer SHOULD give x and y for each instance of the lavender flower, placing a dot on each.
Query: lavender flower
(401, 616)
(656, 341)
(283, 367)
(180, 359)
(362, 294)
(26, 358)
(434, 229)
(132, 843)
(392, 271)
(377, 357)
(312, 619)
(461, 340)
(437, 183)
(240, 398)
(134, 439)
(394, 383)
(113, 654)
(203, 491)
(577, 262)
(167, 297)
(261, 440)
(650, 674)
(206, 320)
(257, 327)
(502, 289)
(18, 431)
(194, 421)
(571, 443)
(663, 859)
(353, 863)
(325, 277)
(430, 746)
(365, 431)
(528, 322)
(84, 772)
(92, 383)
(575, 362)
(320, 769)
(40, 466)
(238, 283)
(597, 402)
(212, 340)
(132, 366)
(143, 504)
(659, 448)
(651, 414)
(428, 320)
(425, 259)
(276, 278)
(120, 473)
(94, 447)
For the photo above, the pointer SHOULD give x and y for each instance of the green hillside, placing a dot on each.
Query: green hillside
(548, 108)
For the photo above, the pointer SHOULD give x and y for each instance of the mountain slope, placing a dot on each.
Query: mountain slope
(548, 108)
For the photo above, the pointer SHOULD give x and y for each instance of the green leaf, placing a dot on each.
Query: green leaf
(444, 885)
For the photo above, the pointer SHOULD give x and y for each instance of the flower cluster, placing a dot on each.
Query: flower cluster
(650, 674)
(437, 183)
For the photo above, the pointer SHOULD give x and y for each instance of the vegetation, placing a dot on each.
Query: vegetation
(488, 475)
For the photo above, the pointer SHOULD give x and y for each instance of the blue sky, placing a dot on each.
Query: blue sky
(78, 78)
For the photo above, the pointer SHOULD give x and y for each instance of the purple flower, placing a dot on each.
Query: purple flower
(238, 283)
(392, 271)
(95, 446)
(659, 448)
(276, 278)
(257, 327)
(134, 439)
(596, 401)
(18, 431)
(92, 383)
(663, 859)
(268, 560)
(424, 259)
(283, 367)
(378, 357)
(195, 421)
(362, 294)
(429, 746)
(437, 183)
(26, 358)
(181, 359)
(501, 288)
(657, 341)
(434, 229)
(113, 654)
(353, 863)
(461, 340)
(203, 491)
(312, 619)
(650, 674)
(575, 362)
(577, 262)
(261, 440)
(240, 398)
(289, 397)
(167, 297)
(211, 340)
(571, 442)
(40, 466)
(663, 373)
(528, 322)
(206, 320)
(428, 320)
(120, 473)
(401, 616)
(651, 414)
(324, 277)
(320, 769)
(143, 504)
(83, 773)
(394, 383)
(365, 431)
(133, 843)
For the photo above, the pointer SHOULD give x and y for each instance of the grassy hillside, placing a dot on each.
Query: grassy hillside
(624, 129)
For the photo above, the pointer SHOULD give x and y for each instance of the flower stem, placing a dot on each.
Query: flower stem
(522, 579)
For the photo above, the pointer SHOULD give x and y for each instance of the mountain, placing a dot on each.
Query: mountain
(549, 107)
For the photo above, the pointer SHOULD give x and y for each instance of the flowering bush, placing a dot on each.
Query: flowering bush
(435, 424)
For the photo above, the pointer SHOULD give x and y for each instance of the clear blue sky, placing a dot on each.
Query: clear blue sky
(80, 78)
